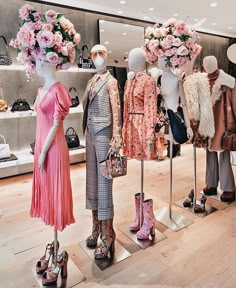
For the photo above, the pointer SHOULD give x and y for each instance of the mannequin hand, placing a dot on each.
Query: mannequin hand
(150, 144)
(115, 150)
(189, 133)
(41, 160)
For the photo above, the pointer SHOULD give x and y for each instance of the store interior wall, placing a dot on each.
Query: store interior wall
(20, 132)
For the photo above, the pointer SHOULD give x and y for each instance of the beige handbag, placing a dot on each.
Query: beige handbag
(4, 149)
(3, 103)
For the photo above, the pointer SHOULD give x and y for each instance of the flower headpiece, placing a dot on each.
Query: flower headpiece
(50, 38)
(174, 39)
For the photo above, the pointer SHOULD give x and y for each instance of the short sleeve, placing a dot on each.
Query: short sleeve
(62, 103)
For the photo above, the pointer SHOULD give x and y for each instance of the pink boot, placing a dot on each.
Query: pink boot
(136, 225)
(148, 221)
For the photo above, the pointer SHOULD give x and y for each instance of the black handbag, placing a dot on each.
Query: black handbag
(75, 101)
(4, 57)
(177, 125)
(20, 104)
(83, 61)
(72, 139)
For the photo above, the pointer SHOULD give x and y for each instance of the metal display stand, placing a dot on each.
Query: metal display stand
(208, 209)
(167, 216)
(124, 228)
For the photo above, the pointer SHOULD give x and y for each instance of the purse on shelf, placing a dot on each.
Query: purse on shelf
(114, 165)
(3, 103)
(20, 104)
(177, 125)
(85, 62)
(72, 139)
(4, 149)
(75, 101)
(228, 141)
(4, 56)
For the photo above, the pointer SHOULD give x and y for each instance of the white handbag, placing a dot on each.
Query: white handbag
(4, 149)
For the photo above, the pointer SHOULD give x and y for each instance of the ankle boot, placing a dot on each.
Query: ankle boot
(149, 220)
(136, 225)
(108, 240)
(91, 241)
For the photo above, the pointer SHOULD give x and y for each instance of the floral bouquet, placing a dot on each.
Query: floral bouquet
(175, 40)
(50, 38)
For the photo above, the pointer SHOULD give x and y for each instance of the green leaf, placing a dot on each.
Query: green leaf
(49, 50)
(59, 15)
(43, 18)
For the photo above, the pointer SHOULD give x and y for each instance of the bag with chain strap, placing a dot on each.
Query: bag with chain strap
(75, 101)
(4, 57)
(85, 62)
(20, 104)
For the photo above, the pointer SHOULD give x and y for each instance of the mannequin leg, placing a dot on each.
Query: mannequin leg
(212, 172)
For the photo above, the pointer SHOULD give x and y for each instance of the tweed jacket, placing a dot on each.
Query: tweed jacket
(102, 107)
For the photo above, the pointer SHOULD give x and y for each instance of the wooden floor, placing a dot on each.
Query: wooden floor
(201, 255)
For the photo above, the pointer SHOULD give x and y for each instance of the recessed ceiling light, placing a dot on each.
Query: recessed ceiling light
(151, 9)
(106, 42)
(124, 33)
(145, 17)
(102, 30)
(102, 21)
(214, 24)
(230, 27)
(126, 53)
(127, 25)
(196, 19)
(120, 12)
(110, 51)
(213, 4)
(176, 14)
(122, 2)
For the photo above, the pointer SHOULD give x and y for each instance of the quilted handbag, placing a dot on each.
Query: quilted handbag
(114, 165)
(20, 104)
(4, 57)
(3, 103)
(72, 139)
(4, 149)
(177, 125)
(85, 62)
(75, 101)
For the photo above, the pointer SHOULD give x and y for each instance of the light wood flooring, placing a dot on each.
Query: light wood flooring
(201, 255)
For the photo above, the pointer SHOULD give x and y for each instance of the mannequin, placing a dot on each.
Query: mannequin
(220, 83)
(140, 112)
(52, 194)
(102, 123)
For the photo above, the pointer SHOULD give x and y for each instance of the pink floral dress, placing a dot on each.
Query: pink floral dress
(140, 114)
(51, 191)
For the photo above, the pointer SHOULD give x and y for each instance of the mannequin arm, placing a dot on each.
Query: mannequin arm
(47, 144)
(185, 110)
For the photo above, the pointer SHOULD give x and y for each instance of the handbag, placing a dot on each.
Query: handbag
(20, 104)
(4, 149)
(32, 146)
(228, 141)
(3, 103)
(85, 62)
(114, 165)
(75, 101)
(72, 139)
(177, 125)
(4, 57)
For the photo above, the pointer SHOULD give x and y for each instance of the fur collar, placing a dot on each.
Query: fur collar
(224, 79)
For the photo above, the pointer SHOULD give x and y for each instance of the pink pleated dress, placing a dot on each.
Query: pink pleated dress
(51, 192)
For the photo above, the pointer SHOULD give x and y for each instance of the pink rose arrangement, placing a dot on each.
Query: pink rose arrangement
(50, 38)
(175, 40)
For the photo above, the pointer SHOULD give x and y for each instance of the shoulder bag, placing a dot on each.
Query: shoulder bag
(4, 57)
(3, 103)
(20, 104)
(4, 149)
(75, 101)
(85, 62)
(228, 141)
(72, 139)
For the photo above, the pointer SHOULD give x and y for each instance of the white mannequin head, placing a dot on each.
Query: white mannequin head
(210, 64)
(137, 60)
(45, 69)
(162, 64)
(99, 57)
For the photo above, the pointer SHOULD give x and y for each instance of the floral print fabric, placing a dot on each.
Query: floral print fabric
(140, 114)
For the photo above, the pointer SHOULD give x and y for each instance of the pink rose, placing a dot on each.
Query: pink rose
(51, 16)
(169, 52)
(170, 38)
(72, 32)
(53, 58)
(58, 38)
(164, 31)
(174, 61)
(26, 37)
(47, 27)
(179, 28)
(69, 46)
(64, 50)
(14, 43)
(183, 61)
(182, 51)
(37, 16)
(153, 44)
(165, 44)
(24, 11)
(45, 39)
(157, 33)
(66, 24)
(177, 42)
(160, 53)
(41, 55)
(190, 43)
(196, 50)
(170, 22)
(77, 38)
(149, 31)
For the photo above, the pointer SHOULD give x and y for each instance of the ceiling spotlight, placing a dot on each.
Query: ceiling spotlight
(126, 59)
(127, 25)
(176, 14)
(214, 24)
(120, 12)
(106, 43)
(124, 33)
(102, 21)
(230, 27)
(213, 4)
(102, 30)
(150, 9)
(122, 2)
(110, 51)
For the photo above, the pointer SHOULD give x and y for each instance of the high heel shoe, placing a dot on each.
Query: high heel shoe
(200, 208)
(107, 245)
(42, 264)
(189, 201)
(51, 274)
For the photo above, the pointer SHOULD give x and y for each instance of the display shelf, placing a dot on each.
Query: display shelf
(10, 115)
(24, 163)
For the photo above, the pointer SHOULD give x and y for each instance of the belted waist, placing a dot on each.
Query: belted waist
(142, 113)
